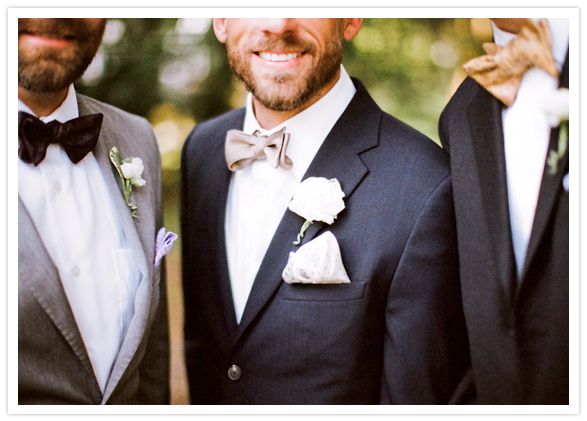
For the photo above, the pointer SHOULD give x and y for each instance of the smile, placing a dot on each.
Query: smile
(278, 57)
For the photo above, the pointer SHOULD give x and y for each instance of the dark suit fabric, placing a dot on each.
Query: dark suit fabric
(394, 335)
(518, 328)
(53, 364)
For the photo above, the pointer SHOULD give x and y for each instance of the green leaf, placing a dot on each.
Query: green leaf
(116, 161)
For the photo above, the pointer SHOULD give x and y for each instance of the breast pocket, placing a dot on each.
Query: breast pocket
(323, 292)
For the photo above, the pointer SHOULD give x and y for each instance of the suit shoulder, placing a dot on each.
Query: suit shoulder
(463, 96)
(413, 147)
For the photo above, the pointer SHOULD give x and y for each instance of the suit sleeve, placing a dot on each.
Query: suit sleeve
(425, 342)
(154, 369)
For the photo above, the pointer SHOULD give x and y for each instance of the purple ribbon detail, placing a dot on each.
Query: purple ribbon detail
(163, 244)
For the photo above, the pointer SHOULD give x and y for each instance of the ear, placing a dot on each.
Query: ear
(220, 29)
(351, 27)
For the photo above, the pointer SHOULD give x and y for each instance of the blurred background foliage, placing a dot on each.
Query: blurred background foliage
(174, 73)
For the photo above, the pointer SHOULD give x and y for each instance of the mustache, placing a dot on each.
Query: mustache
(287, 42)
(55, 28)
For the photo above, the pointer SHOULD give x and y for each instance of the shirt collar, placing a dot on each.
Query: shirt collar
(309, 128)
(68, 109)
(559, 30)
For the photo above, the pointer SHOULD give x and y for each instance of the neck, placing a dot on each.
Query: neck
(268, 118)
(42, 104)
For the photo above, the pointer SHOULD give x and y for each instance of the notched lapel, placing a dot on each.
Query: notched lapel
(336, 159)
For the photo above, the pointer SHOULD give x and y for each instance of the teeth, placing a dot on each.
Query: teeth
(279, 57)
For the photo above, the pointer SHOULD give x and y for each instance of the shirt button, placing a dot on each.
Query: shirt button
(57, 186)
(75, 271)
(234, 373)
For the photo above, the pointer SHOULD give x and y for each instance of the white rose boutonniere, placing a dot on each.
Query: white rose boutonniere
(130, 171)
(556, 108)
(133, 171)
(317, 199)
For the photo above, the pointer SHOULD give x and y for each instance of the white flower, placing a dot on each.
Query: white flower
(130, 171)
(556, 107)
(318, 199)
(133, 171)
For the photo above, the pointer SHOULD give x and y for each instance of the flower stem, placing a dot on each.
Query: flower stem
(302, 232)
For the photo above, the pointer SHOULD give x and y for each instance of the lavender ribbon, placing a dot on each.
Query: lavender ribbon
(163, 244)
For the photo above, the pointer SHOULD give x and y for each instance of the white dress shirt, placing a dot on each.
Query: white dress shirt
(76, 219)
(259, 194)
(527, 136)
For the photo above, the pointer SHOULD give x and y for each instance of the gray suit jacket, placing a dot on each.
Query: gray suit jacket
(53, 365)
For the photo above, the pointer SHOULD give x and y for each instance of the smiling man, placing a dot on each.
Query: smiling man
(387, 325)
(92, 315)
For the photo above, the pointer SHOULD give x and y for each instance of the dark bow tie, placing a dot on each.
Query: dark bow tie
(77, 137)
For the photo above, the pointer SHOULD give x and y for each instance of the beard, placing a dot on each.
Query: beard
(286, 90)
(46, 70)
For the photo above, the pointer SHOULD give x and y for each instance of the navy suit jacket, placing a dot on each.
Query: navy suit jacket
(518, 328)
(395, 334)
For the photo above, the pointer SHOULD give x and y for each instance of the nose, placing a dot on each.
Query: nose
(278, 26)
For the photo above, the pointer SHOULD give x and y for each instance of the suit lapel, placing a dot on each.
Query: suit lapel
(46, 285)
(549, 188)
(141, 243)
(485, 120)
(336, 158)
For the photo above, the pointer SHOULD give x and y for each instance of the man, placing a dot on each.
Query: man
(92, 323)
(512, 210)
(394, 334)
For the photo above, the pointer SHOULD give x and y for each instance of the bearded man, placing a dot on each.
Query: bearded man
(363, 306)
(92, 316)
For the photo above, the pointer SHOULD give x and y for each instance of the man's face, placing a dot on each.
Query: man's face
(53, 53)
(284, 62)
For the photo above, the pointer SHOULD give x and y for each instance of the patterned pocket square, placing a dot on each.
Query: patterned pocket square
(316, 262)
(163, 244)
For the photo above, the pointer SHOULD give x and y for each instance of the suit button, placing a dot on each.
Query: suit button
(234, 373)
